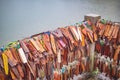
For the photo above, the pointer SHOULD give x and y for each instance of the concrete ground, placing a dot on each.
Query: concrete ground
(23, 18)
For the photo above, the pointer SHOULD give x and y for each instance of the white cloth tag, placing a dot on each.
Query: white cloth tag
(77, 36)
(79, 33)
(59, 56)
(22, 55)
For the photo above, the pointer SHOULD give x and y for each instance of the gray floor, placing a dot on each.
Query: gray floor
(22, 18)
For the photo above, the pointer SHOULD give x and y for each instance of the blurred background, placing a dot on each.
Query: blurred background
(23, 18)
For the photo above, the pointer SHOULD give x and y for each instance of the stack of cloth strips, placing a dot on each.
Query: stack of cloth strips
(63, 53)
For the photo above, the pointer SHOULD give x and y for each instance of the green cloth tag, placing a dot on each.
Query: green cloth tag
(18, 46)
(103, 21)
(102, 42)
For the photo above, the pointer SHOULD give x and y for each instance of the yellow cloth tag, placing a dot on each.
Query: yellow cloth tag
(83, 40)
(5, 63)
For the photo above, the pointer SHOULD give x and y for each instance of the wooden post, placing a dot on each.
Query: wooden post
(93, 18)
